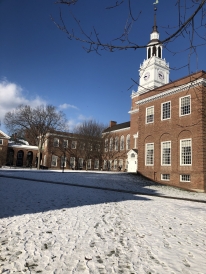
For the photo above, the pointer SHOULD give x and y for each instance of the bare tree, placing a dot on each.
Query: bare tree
(190, 23)
(35, 123)
(90, 139)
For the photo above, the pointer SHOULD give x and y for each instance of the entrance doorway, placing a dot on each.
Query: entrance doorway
(132, 160)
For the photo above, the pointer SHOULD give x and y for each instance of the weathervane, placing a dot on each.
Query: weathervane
(155, 3)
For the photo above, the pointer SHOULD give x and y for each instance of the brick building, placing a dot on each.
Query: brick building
(4, 138)
(72, 151)
(167, 125)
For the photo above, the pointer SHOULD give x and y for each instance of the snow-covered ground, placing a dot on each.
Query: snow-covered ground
(56, 228)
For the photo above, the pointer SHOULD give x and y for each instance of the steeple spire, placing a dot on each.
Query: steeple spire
(155, 21)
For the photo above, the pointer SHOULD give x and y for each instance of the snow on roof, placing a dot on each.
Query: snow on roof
(4, 135)
(23, 141)
(11, 144)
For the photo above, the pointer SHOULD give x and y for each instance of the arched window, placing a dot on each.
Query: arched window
(149, 53)
(116, 143)
(106, 144)
(154, 51)
(111, 144)
(122, 142)
(128, 142)
(159, 52)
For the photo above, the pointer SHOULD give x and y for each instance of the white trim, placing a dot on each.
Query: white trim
(181, 164)
(133, 111)
(180, 105)
(172, 91)
(162, 110)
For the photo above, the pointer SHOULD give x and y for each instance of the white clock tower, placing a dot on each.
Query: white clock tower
(154, 71)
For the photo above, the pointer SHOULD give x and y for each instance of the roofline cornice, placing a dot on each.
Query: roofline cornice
(172, 91)
(121, 129)
(133, 111)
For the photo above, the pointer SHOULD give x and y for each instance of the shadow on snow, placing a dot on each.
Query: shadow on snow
(23, 196)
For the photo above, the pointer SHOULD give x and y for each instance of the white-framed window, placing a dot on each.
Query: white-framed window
(149, 154)
(63, 161)
(72, 162)
(56, 142)
(150, 115)
(186, 152)
(121, 164)
(89, 164)
(115, 164)
(165, 177)
(166, 153)
(97, 147)
(128, 142)
(185, 105)
(185, 178)
(54, 160)
(91, 147)
(116, 143)
(105, 164)
(1, 142)
(80, 162)
(122, 143)
(65, 143)
(96, 163)
(82, 146)
(166, 110)
(45, 143)
(44, 162)
(74, 144)
(111, 144)
(106, 145)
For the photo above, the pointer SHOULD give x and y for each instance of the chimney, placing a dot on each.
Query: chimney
(112, 123)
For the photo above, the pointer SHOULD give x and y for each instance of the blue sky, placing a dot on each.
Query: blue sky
(39, 64)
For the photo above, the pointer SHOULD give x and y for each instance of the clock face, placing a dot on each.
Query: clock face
(161, 75)
(146, 76)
